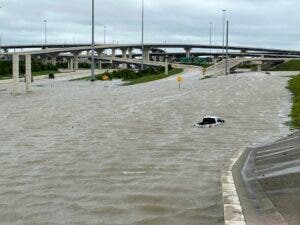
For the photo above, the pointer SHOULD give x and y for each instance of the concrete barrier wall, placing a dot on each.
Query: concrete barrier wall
(267, 180)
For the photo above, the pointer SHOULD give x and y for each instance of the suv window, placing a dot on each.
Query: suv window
(209, 121)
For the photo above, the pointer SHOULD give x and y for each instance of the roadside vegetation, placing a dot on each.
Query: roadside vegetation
(132, 77)
(294, 87)
(292, 65)
(149, 78)
(248, 66)
(38, 68)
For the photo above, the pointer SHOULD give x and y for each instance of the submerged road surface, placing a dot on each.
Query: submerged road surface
(80, 153)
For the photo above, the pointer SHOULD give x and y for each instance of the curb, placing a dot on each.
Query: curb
(233, 212)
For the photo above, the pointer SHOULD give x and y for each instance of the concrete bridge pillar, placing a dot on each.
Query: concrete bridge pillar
(124, 53)
(113, 52)
(53, 60)
(100, 52)
(76, 62)
(71, 64)
(146, 54)
(166, 66)
(28, 74)
(76, 59)
(44, 59)
(130, 50)
(160, 58)
(259, 66)
(16, 74)
(124, 56)
(188, 52)
(215, 60)
(100, 65)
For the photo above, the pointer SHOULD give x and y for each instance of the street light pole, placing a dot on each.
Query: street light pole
(142, 34)
(227, 37)
(224, 18)
(210, 38)
(45, 21)
(93, 42)
(104, 35)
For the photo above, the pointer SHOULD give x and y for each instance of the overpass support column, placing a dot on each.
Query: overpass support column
(113, 54)
(71, 64)
(188, 52)
(215, 60)
(166, 66)
(130, 50)
(124, 56)
(53, 60)
(259, 66)
(146, 54)
(100, 64)
(124, 53)
(44, 59)
(16, 73)
(76, 61)
(28, 74)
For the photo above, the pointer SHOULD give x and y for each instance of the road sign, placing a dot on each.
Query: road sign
(179, 79)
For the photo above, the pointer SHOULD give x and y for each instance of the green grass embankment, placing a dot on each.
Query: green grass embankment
(130, 77)
(47, 72)
(150, 78)
(294, 87)
(292, 65)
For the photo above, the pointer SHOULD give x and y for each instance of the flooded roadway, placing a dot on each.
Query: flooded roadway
(80, 153)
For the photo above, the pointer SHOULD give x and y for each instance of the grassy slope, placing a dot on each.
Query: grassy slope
(88, 78)
(144, 79)
(294, 87)
(40, 73)
(293, 65)
(150, 78)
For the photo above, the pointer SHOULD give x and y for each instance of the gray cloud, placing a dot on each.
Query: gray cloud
(266, 23)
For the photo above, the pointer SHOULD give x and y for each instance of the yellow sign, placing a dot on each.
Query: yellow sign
(105, 77)
(179, 79)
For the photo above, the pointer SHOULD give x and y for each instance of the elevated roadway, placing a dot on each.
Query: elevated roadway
(150, 50)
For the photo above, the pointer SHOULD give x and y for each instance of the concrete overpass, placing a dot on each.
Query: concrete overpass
(150, 50)
(187, 47)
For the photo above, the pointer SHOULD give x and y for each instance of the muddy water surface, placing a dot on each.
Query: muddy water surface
(78, 153)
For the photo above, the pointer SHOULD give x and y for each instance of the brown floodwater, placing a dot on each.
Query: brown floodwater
(80, 153)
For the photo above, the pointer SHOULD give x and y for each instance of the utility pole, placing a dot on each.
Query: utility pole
(45, 23)
(224, 18)
(142, 34)
(93, 43)
(227, 37)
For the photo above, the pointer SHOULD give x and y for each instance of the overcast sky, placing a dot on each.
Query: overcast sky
(265, 23)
